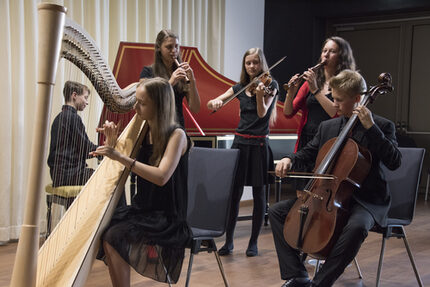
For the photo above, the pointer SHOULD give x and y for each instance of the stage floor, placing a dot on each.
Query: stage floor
(263, 270)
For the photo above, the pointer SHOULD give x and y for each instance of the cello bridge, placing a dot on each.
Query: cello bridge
(314, 195)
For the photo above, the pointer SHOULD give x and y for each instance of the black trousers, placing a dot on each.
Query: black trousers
(343, 252)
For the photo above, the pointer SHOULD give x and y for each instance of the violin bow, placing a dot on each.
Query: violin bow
(298, 174)
(254, 81)
(193, 119)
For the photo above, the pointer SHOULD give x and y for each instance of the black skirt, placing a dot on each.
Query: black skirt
(254, 163)
(149, 242)
(152, 233)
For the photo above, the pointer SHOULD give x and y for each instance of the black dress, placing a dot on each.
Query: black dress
(251, 138)
(316, 115)
(154, 225)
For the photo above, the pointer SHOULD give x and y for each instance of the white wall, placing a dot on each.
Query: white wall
(244, 29)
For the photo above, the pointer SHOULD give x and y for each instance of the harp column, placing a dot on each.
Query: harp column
(51, 25)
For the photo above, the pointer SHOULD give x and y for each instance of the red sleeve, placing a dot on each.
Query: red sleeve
(299, 102)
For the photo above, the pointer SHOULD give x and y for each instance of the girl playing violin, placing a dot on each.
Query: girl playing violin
(257, 110)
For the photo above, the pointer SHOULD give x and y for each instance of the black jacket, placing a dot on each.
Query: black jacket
(69, 148)
(380, 140)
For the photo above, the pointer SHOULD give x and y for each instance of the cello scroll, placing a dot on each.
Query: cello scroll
(385, 86)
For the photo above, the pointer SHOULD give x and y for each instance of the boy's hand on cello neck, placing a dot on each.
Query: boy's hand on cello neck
(365, 116)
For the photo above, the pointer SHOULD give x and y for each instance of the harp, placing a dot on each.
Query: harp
(66, 257)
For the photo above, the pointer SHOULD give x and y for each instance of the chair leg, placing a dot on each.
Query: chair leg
(48, 214)
(427, 185)
(190, 264)
(411, 258)
(358, 268)
(278, 182)
(381, 258)
(210, 248)
(221, 269)
(266, 213)
(318, 266)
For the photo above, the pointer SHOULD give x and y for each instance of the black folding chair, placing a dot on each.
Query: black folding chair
(403, 183)
(211, 175)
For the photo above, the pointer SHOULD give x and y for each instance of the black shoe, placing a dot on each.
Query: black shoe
(252, 251)
(297, 282)
(225, 250)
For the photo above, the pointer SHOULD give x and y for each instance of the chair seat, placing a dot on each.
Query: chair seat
(391, 222)
(398, 221)
(66, 191)
(62, 195)
(201, 233)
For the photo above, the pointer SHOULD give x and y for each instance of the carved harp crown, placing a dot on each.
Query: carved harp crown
(79, 48)
(65, 258)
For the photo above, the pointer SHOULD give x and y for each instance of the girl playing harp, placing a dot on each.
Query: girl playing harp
(150, 235)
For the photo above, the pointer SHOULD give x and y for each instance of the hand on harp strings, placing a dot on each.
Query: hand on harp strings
(91, 211)
(110, 131)
(185, 70)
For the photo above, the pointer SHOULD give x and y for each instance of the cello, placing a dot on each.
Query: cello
(321, 210)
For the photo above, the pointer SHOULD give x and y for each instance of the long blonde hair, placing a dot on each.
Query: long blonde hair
(161, 94)
(245, 79)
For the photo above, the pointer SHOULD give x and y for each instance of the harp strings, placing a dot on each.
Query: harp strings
(73, 232)
(71, 147)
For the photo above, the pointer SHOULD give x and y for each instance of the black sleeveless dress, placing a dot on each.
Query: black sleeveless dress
(153, 230)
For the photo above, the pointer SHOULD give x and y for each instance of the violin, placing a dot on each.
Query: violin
(266, 79)
(321, 210)
(254, 81)
(286, 86)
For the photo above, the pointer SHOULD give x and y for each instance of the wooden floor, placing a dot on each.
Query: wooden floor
(263, 270)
